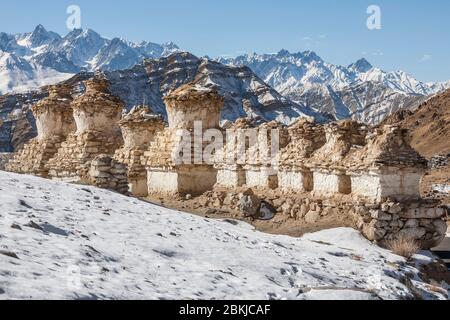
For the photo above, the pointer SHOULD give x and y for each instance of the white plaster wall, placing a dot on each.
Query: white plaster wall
(261, 179)
(50, 124)
(292, 181)
(367, 186)
(378, 187)
(196, 181)
(162, 182)
(96, 121)
(402, 184)
(230, 178)
(326, 183)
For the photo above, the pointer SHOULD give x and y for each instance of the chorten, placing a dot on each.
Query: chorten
(174, 160)
(139, 128)
(54, 122)
(97, 114)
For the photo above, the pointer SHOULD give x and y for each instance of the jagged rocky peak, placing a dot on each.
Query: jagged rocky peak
(311, 56)
(362, 65)
(283, 53)
(40, 36)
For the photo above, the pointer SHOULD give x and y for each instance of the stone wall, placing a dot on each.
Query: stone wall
(5, 157)
(419, 220)
(73, 159)
(107, 173)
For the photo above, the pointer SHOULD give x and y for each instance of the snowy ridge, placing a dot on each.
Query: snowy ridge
(64, 241)
(53, 58)
(20, 75)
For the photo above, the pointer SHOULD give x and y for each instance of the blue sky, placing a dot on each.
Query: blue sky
(415, 34)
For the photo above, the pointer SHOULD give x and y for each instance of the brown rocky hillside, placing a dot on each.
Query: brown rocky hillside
(429, 125)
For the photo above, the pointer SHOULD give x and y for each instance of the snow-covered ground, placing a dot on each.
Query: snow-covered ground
(60, 241)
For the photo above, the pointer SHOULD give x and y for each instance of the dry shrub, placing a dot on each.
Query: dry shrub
(404, 246)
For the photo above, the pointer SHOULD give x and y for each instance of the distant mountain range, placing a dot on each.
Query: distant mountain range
(279, 86)
(360, 91)
(41, 57)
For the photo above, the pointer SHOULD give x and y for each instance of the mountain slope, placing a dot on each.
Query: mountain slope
(20, 75)
(63, 241)
(429, 125)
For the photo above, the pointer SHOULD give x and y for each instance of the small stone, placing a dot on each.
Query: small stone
(286, 208)
(267, 211)
(34, 225)
(16, 226)
(380, 215)
(249, 204)
(9, 254)
(395, 208)
(303, 210)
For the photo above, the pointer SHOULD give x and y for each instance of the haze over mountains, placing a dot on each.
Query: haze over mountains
(279, 86)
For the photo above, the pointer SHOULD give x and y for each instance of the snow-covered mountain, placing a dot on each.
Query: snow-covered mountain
(41, 57)
(360, 90)
(57, 244)
(19, 74)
